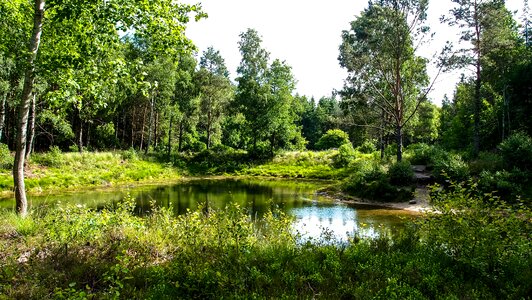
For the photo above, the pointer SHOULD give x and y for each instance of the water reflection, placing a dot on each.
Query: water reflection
(314, 215)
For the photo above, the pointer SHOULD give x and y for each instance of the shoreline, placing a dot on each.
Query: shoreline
(420, 206)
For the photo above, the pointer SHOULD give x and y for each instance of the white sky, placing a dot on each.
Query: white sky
(306, 34)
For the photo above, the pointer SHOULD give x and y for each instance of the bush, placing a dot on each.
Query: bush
(500, 182)
(401, 173)
(367, 147)
(130, 154)
(370, 182)
(486, 161)
(450, 166)
(421, 153)
(6, 160)
(52, 158)
(517, 152)
(334, 138)
(346, 154)
(105, 136)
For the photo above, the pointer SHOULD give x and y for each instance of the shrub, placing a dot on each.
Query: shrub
(346, 154)
(367, 147)
(52, 158)
(517, 152)
(401, 173)
(371, 182)
(486, 161)
(450, 166)
(421, 153)
(334, 138)
(6, 160)
(500, 182)
(130, 154)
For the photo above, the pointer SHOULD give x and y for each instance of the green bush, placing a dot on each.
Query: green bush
(450, 166)
(486, 161)
(52, 158)
(502, 183)
(369, 181)
(105, 136)
(367, 147)
(401, 173)
(346, 154)
(421, 153)
(333, 138)
(130, 154)
(6, 160)
(517, 152)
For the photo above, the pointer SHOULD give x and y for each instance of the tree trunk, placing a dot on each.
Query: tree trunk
(88, 135)
(133, 128)
(3, 114)
(478, 83)
(209, 114)
(29, 77)
(399, 139)
(381, 133)
(31, 128)
(180, 146)
(150, 128)
(476, 129)
(156, 131)
(169, 149)
(79, 131)
(142, 129)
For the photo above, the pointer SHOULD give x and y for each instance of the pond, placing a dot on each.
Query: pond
(315, 215)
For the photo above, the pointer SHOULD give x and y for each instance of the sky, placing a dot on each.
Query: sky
(306, 34)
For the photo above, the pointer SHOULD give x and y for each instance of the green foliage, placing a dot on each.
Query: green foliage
(401, 173)
(451, 166)
(517, 152)
(300, 164)
(370, 181)
(468, 248)
(130, 154)
(333, 138)
(6, 160)
(52, 158)
(485, 239)
(367, 147)
(421, 153)
(105, 136)
(346, 155)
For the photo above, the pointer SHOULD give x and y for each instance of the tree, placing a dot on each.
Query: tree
(215, 92)
(252, 91)
(98, 24)
(384, 72)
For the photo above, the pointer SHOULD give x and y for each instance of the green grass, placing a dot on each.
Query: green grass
(76, 253)
(65, 171)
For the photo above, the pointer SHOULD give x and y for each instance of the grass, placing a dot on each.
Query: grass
(65, 171)
(77, 253)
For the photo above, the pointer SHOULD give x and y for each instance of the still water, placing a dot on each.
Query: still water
(315, 215)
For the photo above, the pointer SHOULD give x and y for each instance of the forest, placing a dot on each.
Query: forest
(112, 93)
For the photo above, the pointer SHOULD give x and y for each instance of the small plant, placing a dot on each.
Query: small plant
(52, 158)
(401, 173)
(367, 147)
(6, 160)
(517, 152)
(346, 154)
(334, 138)
(130, 154)
(450, 166)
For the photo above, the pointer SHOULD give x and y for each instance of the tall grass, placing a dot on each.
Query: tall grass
(476, 251)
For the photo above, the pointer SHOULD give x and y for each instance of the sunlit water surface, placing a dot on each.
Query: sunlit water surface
(316, 217)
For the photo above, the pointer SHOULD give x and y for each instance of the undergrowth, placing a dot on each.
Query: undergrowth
(468, 250)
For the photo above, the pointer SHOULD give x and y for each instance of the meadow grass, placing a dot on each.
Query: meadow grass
(78, 253)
